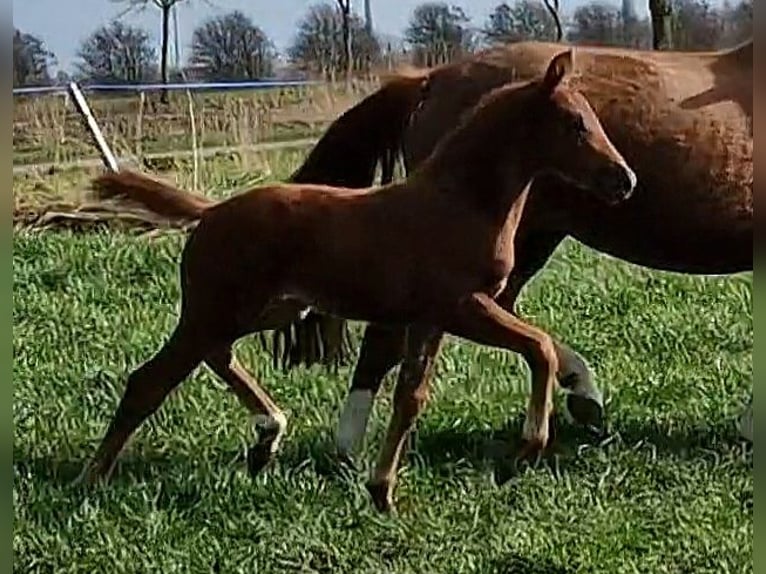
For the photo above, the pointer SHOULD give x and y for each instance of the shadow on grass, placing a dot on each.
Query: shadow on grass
(497, 448)
(308, 454)
(513, 563)
(437, 448)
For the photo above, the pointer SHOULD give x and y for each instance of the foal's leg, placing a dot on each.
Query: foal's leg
(147, 388)
(410, 396)
(268, 420)
(584, 401)
(483, 321)
(382, 350)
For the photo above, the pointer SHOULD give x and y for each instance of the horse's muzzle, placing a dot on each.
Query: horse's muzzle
(617, 182)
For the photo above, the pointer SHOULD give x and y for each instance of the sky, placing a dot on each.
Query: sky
(63, 24)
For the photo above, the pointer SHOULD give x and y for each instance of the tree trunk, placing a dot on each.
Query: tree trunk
(368, 16)
(348, 55)
(164, 55)
(662, 24)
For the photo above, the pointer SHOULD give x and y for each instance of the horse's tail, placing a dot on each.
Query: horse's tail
(348, 153)
(160, 198)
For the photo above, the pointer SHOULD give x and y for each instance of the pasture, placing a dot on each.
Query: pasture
(670, 490)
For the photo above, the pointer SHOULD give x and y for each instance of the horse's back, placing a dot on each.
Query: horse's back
(681, 120)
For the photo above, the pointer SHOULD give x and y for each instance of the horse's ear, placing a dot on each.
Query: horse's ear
(560, 66)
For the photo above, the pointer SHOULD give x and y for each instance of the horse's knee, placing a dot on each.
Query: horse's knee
(410, 397)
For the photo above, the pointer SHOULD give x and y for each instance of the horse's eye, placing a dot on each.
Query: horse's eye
(578, 123)
(579, 127)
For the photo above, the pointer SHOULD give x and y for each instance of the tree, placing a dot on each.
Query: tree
(438, 33)
(117, 53)
(31, 60)
(636, 32)
(318, 44)
(231, 47)
(524, 20)
(368, 16)
(165, 6)
(605, 24)
(738, 21)
(348, 53)
(696, 25)
(597, 23)
(661, 12)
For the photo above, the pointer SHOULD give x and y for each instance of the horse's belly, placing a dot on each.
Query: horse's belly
(671, 240)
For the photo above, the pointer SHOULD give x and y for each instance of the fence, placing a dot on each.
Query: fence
(241, 116)
(192, 86)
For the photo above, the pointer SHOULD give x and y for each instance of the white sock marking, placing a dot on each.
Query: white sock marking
(573, 364)
(352, 424)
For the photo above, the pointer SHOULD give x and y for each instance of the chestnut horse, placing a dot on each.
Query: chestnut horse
(683, 122)
(429, 254)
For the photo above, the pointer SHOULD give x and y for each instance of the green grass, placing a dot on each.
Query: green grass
(672, 492)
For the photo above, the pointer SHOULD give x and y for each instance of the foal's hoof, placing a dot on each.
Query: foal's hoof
(381, 496)
(586, 412)
(258, 457)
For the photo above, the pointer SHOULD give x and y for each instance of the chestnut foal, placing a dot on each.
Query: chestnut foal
(431, 253)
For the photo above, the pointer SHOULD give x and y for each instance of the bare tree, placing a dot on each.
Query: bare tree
(697, 25)
(597, 23)
(231, 47)
(661, 12)
(117, 53)
(738, 23)
(602, 23)
(31, 60)
(165, 6)
(368, 16)
(348, 54)
(319, 42)
(524, 20)
(438, 33)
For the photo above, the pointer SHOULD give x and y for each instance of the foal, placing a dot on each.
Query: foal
(430, 253)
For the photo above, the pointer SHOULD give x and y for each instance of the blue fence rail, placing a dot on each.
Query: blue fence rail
(194, 86)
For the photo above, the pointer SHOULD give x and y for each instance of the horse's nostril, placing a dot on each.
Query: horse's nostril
(619, 180)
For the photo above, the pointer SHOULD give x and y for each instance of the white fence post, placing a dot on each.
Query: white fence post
(82, 106)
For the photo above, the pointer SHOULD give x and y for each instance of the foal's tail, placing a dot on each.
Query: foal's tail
(160, 198)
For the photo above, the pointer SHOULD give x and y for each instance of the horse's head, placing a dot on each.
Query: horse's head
(570, 140)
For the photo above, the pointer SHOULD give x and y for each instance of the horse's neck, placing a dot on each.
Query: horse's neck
(488, 179)
(483, 161)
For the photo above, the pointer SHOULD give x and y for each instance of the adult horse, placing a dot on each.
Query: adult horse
(682, 120)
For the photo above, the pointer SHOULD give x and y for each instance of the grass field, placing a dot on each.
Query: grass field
(671, 491)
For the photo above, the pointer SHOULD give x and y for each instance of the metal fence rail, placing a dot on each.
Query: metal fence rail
(193, 86)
